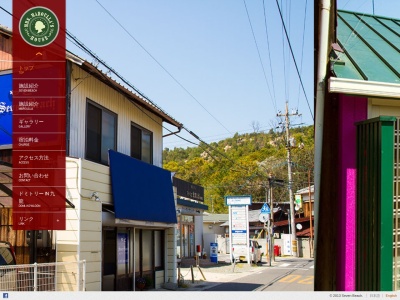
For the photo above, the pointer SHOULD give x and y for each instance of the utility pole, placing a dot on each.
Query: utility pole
(310, 208)
(270, 232)
(289, 164)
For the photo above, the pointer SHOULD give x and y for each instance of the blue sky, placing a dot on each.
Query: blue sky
(198, 60)
(387, 8)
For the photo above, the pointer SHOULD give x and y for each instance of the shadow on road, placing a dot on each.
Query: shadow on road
(234, 286)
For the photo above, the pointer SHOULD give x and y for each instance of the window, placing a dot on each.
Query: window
(141, 144)
(101, 133)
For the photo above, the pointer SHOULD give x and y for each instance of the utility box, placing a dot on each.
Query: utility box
(214, 252)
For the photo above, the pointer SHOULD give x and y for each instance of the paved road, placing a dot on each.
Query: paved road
(287, 275)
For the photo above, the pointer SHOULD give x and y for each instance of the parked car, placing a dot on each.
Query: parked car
(254, 252)
(8, 273)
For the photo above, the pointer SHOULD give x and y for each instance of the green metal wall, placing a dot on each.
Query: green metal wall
(375, 169)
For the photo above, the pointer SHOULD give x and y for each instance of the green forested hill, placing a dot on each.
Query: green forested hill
(240, 165)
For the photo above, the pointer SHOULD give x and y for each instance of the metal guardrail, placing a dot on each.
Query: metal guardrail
(60, 276)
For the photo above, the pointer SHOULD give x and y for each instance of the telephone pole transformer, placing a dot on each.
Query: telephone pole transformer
(292, 224)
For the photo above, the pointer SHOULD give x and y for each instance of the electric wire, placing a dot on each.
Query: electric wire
(87, 50)
(288, 19)
(80, 45)
(352, 35)
(5, 10)
(302, 51)
(269, 52)
(259, 56)
(162, 67)
(294, 60)
(216, 138)
(284, 62)
(208, 145)
(91, 53)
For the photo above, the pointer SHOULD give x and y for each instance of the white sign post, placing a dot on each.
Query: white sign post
(239, 225)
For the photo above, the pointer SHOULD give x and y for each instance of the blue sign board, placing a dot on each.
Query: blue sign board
(265, 209)
(239, 231)
(5, 109)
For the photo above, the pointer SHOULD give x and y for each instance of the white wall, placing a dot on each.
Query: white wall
(84, 86)
(209, 238)
(383, 107)
(198, 231)
(82, 238)
(216, 229)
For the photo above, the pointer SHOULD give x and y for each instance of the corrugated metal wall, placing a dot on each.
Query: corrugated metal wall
(375, 152)
(83, 86)
(396, 209)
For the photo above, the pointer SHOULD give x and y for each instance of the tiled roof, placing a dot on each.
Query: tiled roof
(368, 48)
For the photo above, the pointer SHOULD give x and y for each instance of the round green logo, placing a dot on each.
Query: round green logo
(39, 26)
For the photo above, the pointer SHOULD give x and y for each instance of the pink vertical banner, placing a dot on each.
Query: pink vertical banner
(352, 110)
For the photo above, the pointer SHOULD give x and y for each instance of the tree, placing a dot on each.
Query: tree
(242, 164)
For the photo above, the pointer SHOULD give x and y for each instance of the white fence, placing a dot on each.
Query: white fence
(62, 276)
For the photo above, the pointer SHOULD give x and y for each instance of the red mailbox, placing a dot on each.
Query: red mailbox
(277, 250)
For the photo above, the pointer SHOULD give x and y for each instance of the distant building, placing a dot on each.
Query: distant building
(190, 207)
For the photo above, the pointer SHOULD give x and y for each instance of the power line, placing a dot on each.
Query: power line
(302, 50)
(79, 44)
(91, 53)
(217, 138)
(269, 51)
(162, 67)
(288, 19)
(284, 63)
(294, 60)
(259, 56)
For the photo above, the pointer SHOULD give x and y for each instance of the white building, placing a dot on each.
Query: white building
(122, 220)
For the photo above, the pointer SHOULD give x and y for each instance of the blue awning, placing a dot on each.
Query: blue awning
(141, 191)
